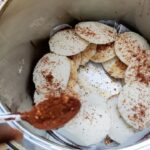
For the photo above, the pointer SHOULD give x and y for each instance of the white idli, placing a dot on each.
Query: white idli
(129, 44)
(115, 68)
(134, 105)
(67, 43)
(139, 68)
(91, 124)
(95, 32)
(93, 77)
(39, 97)
(51, 73)
(119, 130)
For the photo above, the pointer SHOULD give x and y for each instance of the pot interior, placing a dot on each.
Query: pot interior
(24, 33)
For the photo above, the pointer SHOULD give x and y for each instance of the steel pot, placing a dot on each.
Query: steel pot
(24, 30)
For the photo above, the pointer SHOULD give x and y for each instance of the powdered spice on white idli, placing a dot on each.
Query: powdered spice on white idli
(95, 32)
(51, 73)
(139, 68)
(134, 105)
(129, 44)
(67, 43)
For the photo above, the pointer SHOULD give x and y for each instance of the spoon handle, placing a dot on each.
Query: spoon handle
(9, 117)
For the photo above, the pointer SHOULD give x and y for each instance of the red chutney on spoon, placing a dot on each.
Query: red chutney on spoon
(52, 113)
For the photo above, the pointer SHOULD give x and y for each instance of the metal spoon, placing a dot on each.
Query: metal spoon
(49, 114)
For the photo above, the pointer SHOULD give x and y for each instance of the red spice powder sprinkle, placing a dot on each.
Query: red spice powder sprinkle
(47, 76)
(85, 31)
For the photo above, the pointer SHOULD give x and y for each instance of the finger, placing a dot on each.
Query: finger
(8, 133)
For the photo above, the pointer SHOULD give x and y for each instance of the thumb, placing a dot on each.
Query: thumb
(8, 133)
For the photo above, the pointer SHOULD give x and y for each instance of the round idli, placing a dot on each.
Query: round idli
(91, 124)
(95, 32)
(94, 78)
(134, 105)
(119, 131)
(51, 73)
(67, 43)
(139, 68)
(129, 44)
